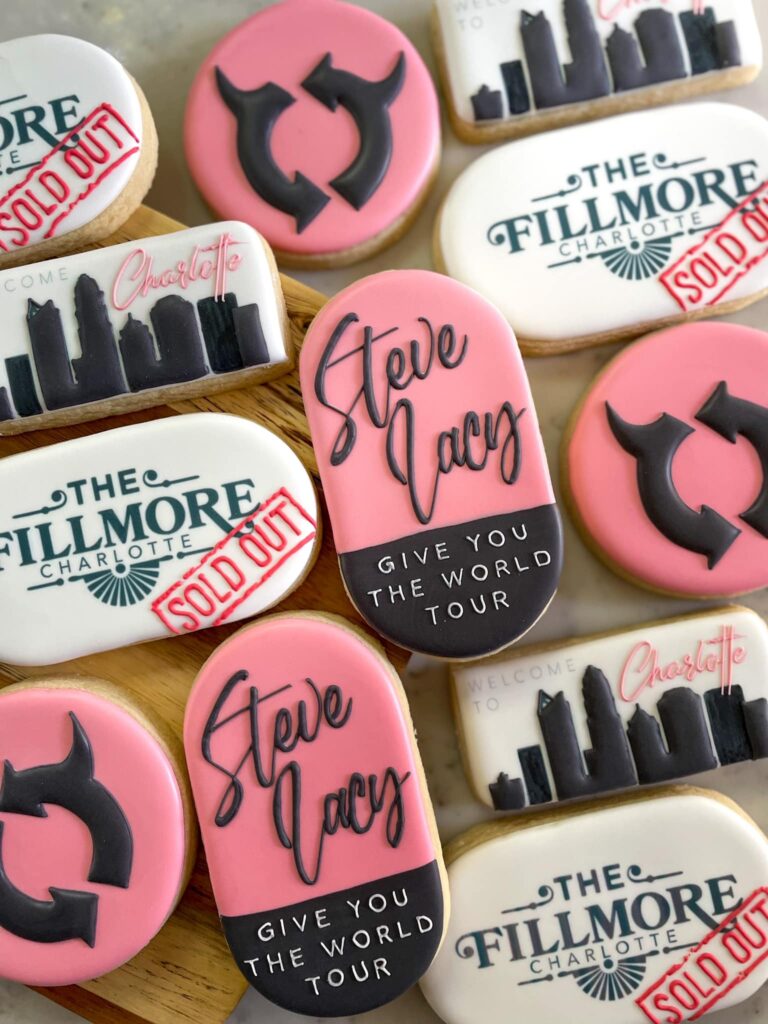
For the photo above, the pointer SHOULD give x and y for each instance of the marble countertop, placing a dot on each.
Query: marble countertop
(162, 44)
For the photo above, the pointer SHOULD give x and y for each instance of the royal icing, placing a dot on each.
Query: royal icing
(515, 62)
(667, 461)
(129, 325)
(317, 122)
(318, 832)
(653, 909)
(432, 464)
(71, 137)
(92, 835)
(660, 213)
(148, 531)
(636, 707)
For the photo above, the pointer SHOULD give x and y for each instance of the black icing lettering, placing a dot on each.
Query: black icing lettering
(654, 445)
(71, 784)
(368, 103)
(384, 935)
(354, 806)
(257, 112)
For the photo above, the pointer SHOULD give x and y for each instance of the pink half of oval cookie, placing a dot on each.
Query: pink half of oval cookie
(292, 133)
(92, 835)
(432, 463)
(667, 461)
(318, 832)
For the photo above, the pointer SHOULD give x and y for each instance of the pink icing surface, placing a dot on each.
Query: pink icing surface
(283, 44)
(35, 729)
(674, 371)
(250, 870)
(367, 504)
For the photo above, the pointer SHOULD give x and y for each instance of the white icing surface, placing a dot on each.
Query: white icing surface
(497, 701)
(578, 168)
(693, 834)
(251, 281)
(36, 70)
(83, 480)
(479, 36)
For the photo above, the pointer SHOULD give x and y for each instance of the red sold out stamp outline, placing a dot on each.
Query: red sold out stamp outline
(208, 593)
(66, 176)
(711, 970)
(707, 272)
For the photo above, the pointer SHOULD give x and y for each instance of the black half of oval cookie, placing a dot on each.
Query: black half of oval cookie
(500, 577)
(347, 952)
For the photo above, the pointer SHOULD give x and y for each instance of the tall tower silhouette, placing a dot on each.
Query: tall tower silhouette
(96, 373)
(585, 78)
(609, 763)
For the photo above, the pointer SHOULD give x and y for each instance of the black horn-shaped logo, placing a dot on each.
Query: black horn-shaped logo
(69, 784)
(257, 113)
(654, 446)
(69, 914)
(731, 416)
(368, 103)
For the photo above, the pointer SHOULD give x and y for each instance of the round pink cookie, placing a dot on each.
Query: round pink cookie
(668, 457)
(315, 121)
(92, 835)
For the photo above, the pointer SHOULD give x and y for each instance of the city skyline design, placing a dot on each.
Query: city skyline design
(694, 733)
(650, 54)
(187, 341)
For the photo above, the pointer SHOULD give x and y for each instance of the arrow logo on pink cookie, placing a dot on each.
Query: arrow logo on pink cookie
(69, 914)
(730, 417)
(654, 446)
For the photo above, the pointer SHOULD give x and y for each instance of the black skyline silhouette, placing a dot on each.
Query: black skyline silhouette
(650, 54)
(646, 751)
(174, 351)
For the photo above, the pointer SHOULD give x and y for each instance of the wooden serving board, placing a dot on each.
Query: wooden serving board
(186, 974)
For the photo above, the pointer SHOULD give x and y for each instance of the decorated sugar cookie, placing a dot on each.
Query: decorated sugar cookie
(96, 832)
(163, 318)
(634, 707)
(666, 461)
(317, 122)
(515, 68)
(79, 147)
(318, 831)
(624, 911)
(149, 531)
(641, 221)
(432, 464)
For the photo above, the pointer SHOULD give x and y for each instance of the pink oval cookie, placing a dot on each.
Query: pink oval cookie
(317, 122)
(667, 462)
(92, 835)
(319, 834)
(432, 464)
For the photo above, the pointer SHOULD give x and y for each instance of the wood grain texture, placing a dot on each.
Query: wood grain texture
(186, 975)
